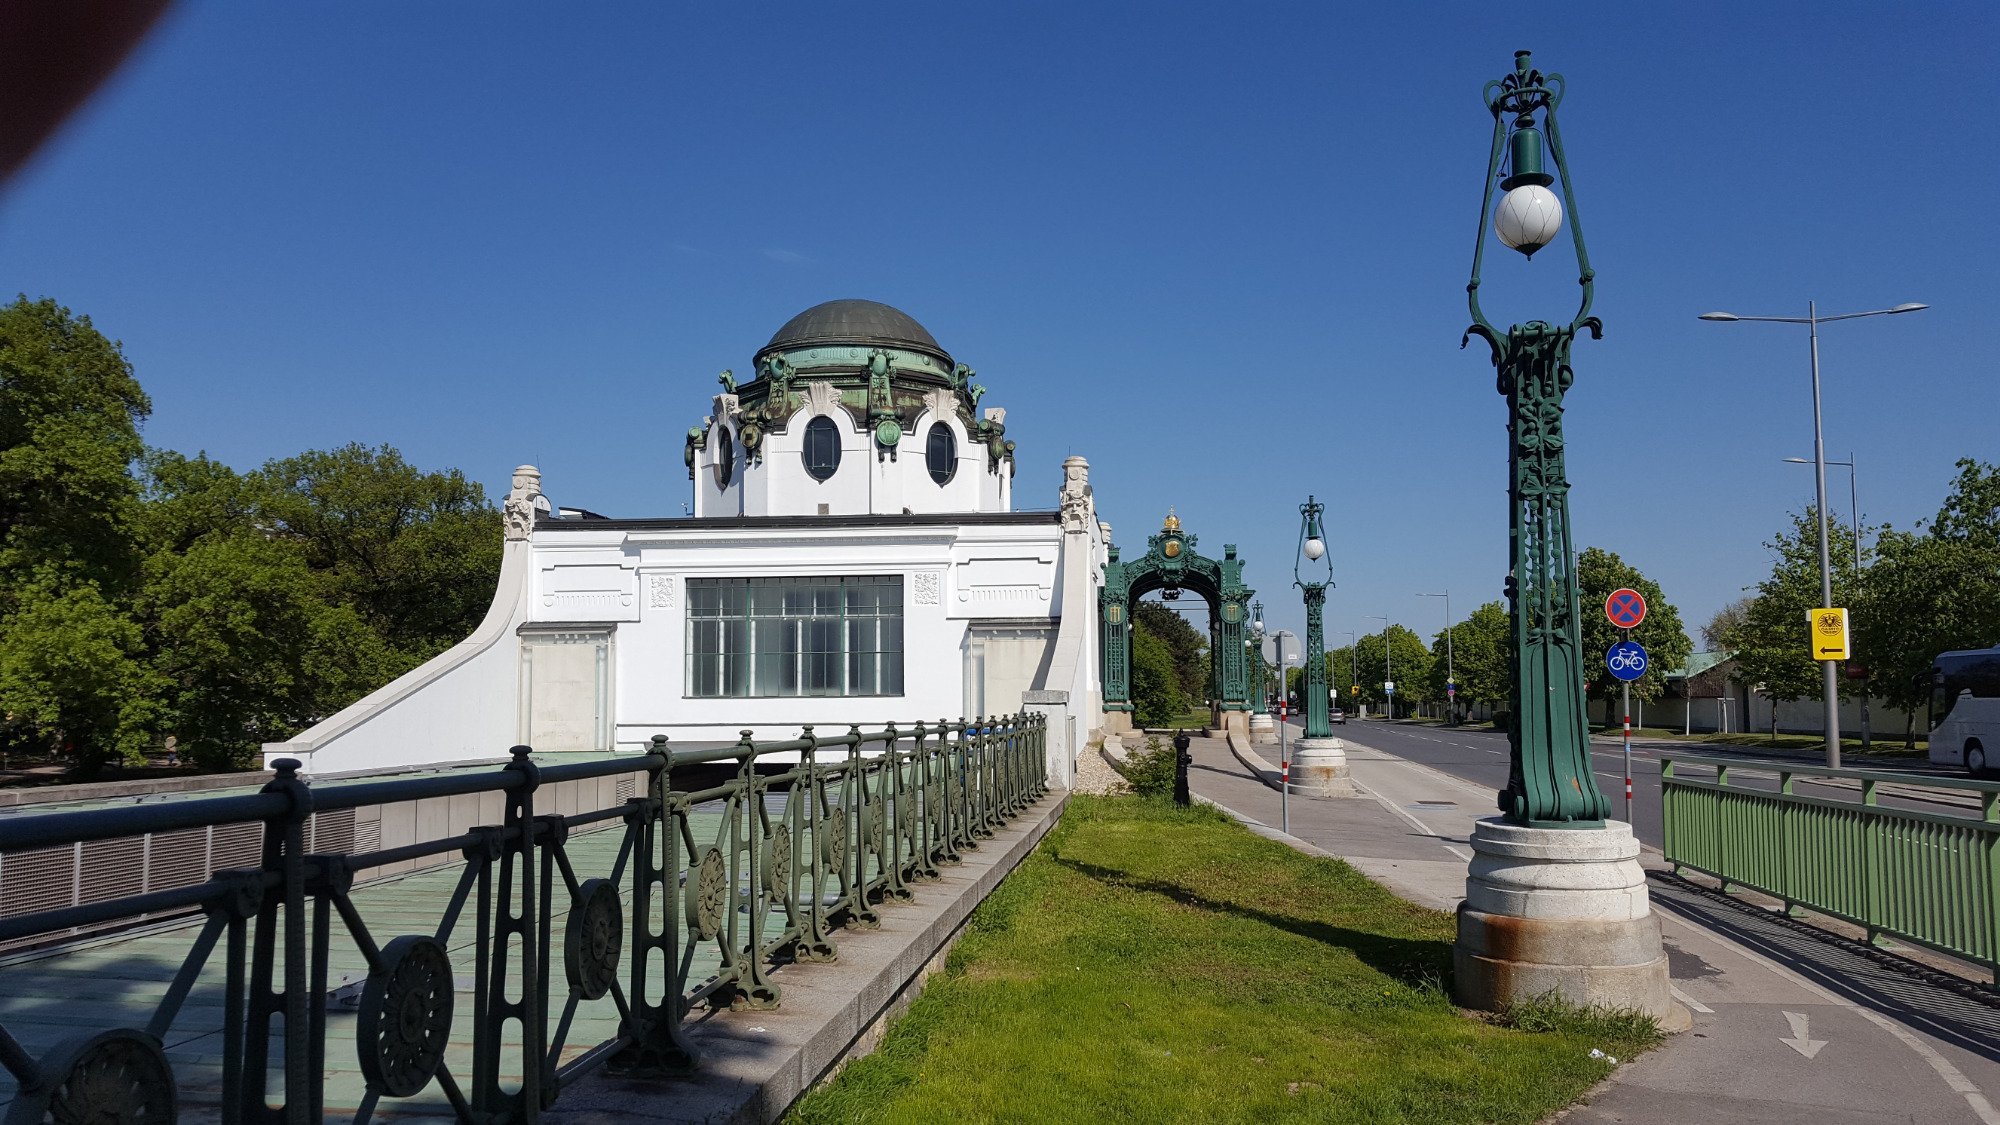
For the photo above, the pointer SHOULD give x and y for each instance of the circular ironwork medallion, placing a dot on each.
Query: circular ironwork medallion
(594, 938)
(405, 1016)
(778, 863)
(707, 894)
(833, 839)
(888, 431)
(113, 1076)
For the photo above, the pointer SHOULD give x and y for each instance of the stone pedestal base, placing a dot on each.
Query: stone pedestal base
(1319, 768)
(1561, 910)
(1117, 722)
(1233, 722)
(1263, 728)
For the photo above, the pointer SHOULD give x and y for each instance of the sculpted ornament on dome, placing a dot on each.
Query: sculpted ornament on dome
(822, 397)
(1076, 495)
(728, 381)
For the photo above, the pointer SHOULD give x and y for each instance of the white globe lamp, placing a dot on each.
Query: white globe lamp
(1315, 548)
(1528, 218)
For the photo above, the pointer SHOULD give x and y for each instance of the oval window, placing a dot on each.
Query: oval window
(941, 453)
(725, 457)
(822, 452)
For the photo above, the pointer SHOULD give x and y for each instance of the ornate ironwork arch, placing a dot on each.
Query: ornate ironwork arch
(1171, 563)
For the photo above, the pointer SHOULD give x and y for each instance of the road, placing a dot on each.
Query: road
(1480, 756)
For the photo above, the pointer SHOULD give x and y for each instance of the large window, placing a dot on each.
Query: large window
(725, 457)
(822, 447)
(795, 636)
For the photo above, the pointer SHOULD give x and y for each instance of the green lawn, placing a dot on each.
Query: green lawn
(1153, 964)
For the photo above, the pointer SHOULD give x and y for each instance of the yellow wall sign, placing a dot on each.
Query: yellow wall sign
(1829, 634)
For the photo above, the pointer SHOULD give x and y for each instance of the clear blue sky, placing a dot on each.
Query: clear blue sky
(1220, 250)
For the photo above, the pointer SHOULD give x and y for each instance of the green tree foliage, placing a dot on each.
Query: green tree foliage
(1187, 647)
(1408, 665)
(1926, 592)
(71, 677)
(226, 609)
(1771, 641)
(1478, 650)
(1599, 572)
(1157, 697)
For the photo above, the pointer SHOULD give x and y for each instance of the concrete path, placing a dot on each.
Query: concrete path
(1789, 1027)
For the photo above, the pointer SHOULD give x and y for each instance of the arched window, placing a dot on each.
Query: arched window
(822, 453)
(941, 453)
(725, 457)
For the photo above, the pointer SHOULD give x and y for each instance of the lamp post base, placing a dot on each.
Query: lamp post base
(1319, 768)
(1263, 728)
(1562, 911)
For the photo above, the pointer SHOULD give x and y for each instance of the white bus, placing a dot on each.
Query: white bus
(1965, 710)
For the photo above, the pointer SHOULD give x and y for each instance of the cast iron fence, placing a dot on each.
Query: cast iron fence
(1928, 876)
(689, 897)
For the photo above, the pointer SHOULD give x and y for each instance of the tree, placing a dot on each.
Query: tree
(1724, 624)
(1598, 573)
(1478, 656)
(1926, 593)
(1157, 698)
(1187, 648)
(1408, 666)
(1772, 642)
(71, 677)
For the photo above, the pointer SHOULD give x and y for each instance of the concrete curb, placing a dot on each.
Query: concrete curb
(754, 1065)
(1253, 761)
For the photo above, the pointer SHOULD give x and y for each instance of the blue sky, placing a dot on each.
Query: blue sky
(1220, 250)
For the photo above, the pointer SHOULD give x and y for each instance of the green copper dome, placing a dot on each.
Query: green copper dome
(854, 323)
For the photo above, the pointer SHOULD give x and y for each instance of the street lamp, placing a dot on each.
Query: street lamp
(1829, 676)
(1555, 900)
(1550, 783)
(1450, 671)
(1257, 646)
(1353, 663)
(1854, 519)
(1312, 549)
(1388, 669)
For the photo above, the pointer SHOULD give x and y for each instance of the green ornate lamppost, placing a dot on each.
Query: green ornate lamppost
(1312, 550)
(1550, 784)
(1555, 899)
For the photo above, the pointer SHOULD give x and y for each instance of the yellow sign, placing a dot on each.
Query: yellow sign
(1829, 634)
(1355, 690)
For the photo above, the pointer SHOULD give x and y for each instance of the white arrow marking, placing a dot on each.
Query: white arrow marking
(1800, 1041)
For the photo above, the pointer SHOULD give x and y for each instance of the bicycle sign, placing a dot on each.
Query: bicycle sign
(1626, 659)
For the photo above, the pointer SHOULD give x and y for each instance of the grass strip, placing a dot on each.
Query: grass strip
(1149, 963)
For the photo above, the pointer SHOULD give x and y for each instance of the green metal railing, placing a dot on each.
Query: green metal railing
(1930, 877)
(630, 914)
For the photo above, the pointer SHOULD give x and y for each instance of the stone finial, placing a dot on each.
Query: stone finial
(1077, 506)
(518, 513)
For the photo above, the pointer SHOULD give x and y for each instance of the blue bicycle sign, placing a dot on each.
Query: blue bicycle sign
(1627, 660)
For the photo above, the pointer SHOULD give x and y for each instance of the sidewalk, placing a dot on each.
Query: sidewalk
(1788, 1028)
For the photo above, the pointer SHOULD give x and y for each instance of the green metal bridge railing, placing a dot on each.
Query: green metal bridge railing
(637, 912)
(1928, 877)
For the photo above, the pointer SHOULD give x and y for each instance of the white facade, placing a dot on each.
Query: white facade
(594, 643)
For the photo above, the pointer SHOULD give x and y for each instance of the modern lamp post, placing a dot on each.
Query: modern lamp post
(1854, 521)
(1829, 673)
(1263, 700)
(1450, 670)
(1388, 668)
(1322, 758)
(1555, 899)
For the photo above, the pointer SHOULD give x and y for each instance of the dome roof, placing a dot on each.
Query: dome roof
(853, 322)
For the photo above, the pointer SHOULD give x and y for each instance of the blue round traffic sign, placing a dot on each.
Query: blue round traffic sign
(1627, 660)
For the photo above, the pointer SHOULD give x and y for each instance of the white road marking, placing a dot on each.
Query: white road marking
(1801, 1041)
(1953, 1077)
(1689, 1000)
(1418, 824)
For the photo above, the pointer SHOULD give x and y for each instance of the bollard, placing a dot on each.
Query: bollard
(1181, 760)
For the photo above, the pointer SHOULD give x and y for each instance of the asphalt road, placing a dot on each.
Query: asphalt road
(1480, 756)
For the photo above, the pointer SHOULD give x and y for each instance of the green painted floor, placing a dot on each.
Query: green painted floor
(119, 982)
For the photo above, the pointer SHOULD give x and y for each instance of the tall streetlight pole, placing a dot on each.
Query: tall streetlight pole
(1263, 701)
(1829, 673)
(1353, 662)
(1551, 897)
(1312, 549)
(1388, 668)
(1854, 522)
(1450, 670)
